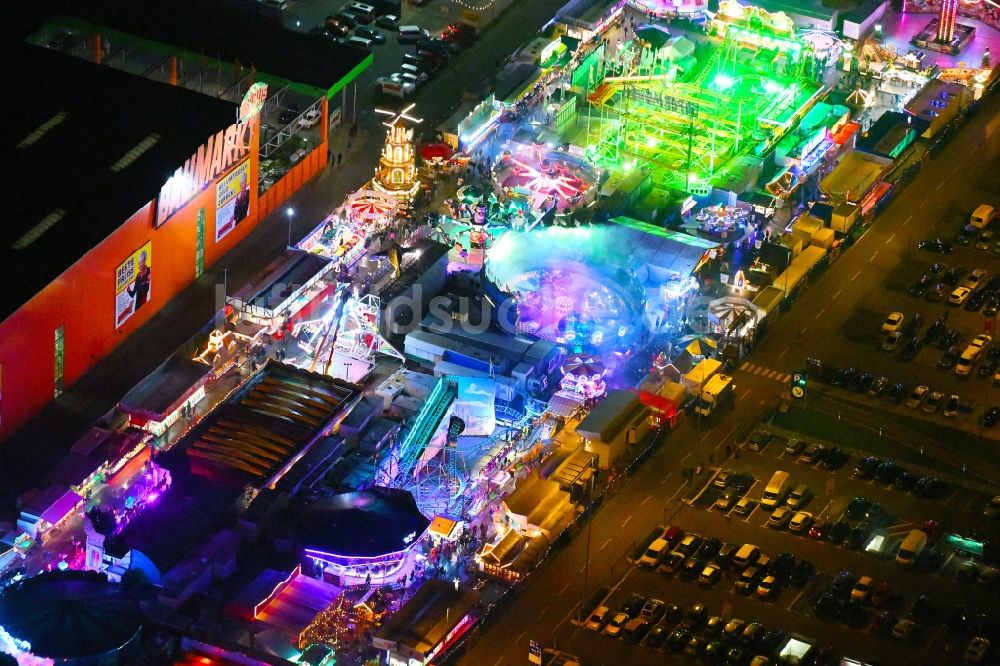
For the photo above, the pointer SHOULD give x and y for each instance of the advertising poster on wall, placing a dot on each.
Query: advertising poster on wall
(133, 281)
(232, 200)
(474, 405)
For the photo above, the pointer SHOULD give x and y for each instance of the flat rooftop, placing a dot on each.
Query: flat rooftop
(208, 28)
(67, 134)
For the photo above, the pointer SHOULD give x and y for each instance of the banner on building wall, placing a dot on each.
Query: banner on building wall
(232, 200)
(133, 283)
(219, 154)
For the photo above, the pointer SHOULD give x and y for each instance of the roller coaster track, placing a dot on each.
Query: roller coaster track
(419, 436)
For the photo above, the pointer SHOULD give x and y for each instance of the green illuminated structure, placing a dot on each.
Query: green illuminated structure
(692, 126)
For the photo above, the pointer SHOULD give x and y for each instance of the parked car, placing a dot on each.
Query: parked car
(598, 618)
(617, 623)
(727, 500)
(310, 118)
(958, 295)
(759, 440)
(710, 574)
(897, 393)
(370, 33)
(833, 458)
(794, 446)
(949, 358)
(910, 349)
(388, 21)
(812, 453)
(917, 397)
(745, 505)
(893, 322)
(878, 387)
(990, 417)
(780, 517)
(933, 402)
(800, 521)
(974, 279)
(798, 497)
(935, 245)
(965, 235)
(951, 406)
(862, 589)
(865, 468)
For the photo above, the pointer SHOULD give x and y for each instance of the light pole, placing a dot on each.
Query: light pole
(290, 212)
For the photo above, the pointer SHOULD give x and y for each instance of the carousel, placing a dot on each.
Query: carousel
(343, 234)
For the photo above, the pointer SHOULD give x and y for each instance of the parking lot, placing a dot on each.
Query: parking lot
(948, 616)
(919, 286)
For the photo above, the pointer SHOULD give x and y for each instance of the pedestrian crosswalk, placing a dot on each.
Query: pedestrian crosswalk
(767, 373)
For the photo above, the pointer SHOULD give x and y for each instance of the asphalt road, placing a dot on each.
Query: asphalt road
(959, 177)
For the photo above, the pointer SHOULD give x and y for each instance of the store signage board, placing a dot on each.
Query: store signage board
(253, 102)
(219, 154)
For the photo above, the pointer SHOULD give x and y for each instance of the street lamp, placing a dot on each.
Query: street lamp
(291, 213)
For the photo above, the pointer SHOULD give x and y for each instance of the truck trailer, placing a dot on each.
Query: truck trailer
(718, 390)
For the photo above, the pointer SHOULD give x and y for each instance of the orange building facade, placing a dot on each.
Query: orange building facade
(120, 284)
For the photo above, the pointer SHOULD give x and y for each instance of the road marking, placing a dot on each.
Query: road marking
(544, 611)
(603, 546)
(665, 479)
(947, 501)
(745, 394)
(820, 313)
(855, 276)
(520, 636)
(565, 587)
(705, 436)
(907, 221)
(731, 430)
(828, 505)
(940, 183)
(969, 503)
(889, 240)
(786, 348)
(626, 522)
(498, 661)
(686, 456)
(836, 295)
(873, 256)
(648, 497)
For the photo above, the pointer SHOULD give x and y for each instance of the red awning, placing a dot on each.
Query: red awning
(436, 151)
(845, 132)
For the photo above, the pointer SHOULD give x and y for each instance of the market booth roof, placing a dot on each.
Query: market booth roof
(70, 192)
(367, 523)
(70, 615)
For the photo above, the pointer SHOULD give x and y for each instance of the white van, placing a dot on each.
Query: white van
(774, 491)
(365, 13)
(912, 546)
(982, 216)
(411, 34)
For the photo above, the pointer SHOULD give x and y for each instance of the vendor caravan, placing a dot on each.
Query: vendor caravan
(220, 153)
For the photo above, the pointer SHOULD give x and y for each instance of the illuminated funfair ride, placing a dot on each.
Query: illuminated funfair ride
(345, 339)
(572, 286)
(452, 456)
(692, 123)
(545, 178)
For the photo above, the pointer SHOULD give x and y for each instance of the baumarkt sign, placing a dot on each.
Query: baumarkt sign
(219, 154)
(253, 101)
